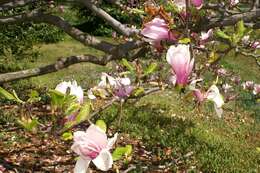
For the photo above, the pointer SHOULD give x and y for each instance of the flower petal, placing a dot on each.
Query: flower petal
(219, 111)
(112, 141)
(81, 165)
(104, 160)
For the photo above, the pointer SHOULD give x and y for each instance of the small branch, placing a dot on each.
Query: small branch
(233, 19)
(58, 65)
(109, 19)
(38, 16)
(14, 3)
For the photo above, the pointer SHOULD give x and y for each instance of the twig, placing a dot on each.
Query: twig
(132, 167)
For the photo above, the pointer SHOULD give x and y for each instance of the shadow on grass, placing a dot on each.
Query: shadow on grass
(192, 146)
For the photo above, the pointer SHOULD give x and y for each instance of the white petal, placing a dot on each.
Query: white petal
(104, 160)
(91, 95)
(219, 111)
(125, 81)
(112, 141)
(81, 165)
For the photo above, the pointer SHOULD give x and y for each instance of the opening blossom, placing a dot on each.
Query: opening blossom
(157, 30)
(93, 145)
(234, 2)
(74, 88)
(204, 37)
(256, 90)
(180, 60)
(121, 87)
(213, 95)
(181, 4)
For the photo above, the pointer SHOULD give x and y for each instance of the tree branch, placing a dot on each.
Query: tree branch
(7, 5)
(58, 65)
(38, 16)
(232, 20)
(109, 19)
(66, 62)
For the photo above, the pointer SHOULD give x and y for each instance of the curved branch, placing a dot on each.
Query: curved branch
(13, 4)
(66, 62)
(109, 19)
(38, 16)
(232, 20)
(58, 65)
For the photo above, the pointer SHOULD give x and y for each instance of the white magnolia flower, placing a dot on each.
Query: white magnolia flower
(214, 95)
(75, 89)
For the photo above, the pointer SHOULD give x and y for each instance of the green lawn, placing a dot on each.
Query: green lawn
(197, 141)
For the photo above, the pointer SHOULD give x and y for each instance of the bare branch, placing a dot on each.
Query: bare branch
(38, 16)
(7, 5)
(109, 19)
(232, 20)
(58, 65)
(66, 62)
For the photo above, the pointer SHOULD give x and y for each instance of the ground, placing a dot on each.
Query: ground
(168, 133)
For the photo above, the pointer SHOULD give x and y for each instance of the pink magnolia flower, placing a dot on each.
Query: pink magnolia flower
(255, 45)
(213, 95)
(233, 2)
(249, 85)
(181, 4)
(204, 37)
(61, 8)
(226, 87)
(121, 87)
(157, 30)
(197, 3)
(236, 79)
(75, 89)
(256, 90)
(245, 40)
(181, 62)
(93, 145)
(222, 72)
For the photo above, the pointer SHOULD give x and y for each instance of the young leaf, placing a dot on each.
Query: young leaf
(84, 113)
(128, 65)
(240, 29)
(9, 96)
(184, 41)
(150, 69)
(67, 136)
(57, 98)
(29, 124)
(138, 91)
(101, 124)
(119, 152)
(223, 35)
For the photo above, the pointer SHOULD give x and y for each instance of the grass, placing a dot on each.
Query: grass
(197, 141)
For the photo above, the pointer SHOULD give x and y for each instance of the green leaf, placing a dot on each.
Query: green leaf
(57, 98)
(128, 65)
(84, 113)
(213, 57)
(223, 35)
(184, 41)
(101, 124)
(73, 107)
(150, 69)
(10, 96)
(17, 98)
(29, 124)
(67, 136)
(138, 91)
(34, 96)
(240, 29)
(119, 152)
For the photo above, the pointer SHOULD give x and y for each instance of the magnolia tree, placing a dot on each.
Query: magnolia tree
(189, 37)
